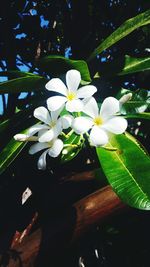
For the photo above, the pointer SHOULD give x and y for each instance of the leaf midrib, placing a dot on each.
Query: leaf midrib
(134, 64)
(130, 174)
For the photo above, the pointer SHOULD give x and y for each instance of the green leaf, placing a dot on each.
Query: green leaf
(126, 28)
(123, 66)
(127, 170)
(16, 74)
(3, 125)
(132, 65)
(57, 65)
(23, 84)
(134, 106)
(72, 147)
(143, 115)
(19, 119)
(139, 102)
(16, 124)
(9, 153)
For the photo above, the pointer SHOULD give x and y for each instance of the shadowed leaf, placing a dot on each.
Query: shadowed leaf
(126, 28)
(57, 65)
(23, 84)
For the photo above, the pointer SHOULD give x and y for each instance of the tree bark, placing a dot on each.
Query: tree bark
(62, 232)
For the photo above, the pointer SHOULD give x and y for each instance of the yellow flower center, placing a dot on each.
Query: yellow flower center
(71, 96)
(52, 124)
(98, 121)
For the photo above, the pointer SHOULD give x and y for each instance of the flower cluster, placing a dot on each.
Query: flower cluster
(82, 115)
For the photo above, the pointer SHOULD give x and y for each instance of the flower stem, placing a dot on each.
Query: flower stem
(68, 134)
(70, 145)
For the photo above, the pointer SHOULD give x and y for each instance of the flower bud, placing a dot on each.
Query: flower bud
(25, 137)
(125, 98)
(21, 137)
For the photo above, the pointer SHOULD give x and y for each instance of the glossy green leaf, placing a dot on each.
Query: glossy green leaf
(123, 66)
(9, 153)
(72, 147)
(57, 65)
(23, 84)
(126, 28)
(127, 170)
(143, 115)
(135, 106)
(132, 65)
(139, 102)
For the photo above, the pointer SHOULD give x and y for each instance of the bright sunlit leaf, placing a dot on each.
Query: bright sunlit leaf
(127, 170)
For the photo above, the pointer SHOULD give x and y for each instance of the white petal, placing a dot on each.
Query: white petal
(98, 137)
(56, 113)
(73, 79)
(56, 102)
(116, 125)
(47, 136)
(37, 147)
(82, 124)
(56, 85)
(42, 114)
(86, 91)
(36, 128)
(109, 107)
(42, 160)
(52, 133)
(41, 132)
(66, 121)
(74, 105)
(91, 108)
(56, 148)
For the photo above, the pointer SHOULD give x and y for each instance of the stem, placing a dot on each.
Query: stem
(109, 148)
(70, 145)
(87, 134)
(63, 134)
(68, 134)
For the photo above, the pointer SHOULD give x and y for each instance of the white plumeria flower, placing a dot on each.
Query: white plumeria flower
(53, 149)
(100, 122)
(48, 130)
(70, 94)
(47, 134)
(53, 124)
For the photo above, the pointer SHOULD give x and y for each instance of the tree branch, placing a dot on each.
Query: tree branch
(63, 231)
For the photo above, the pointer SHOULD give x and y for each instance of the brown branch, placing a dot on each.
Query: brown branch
(94, 209)
(61, 232)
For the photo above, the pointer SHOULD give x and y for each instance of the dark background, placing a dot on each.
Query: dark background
(30, 30)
